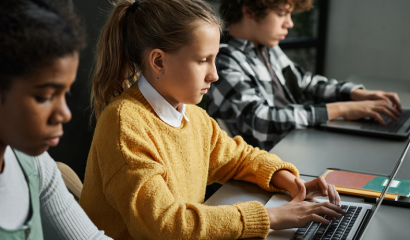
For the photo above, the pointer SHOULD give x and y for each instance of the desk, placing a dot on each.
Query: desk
(313, 150)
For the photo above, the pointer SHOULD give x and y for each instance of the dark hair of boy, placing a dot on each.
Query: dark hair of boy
(32, 34)
(231, 10)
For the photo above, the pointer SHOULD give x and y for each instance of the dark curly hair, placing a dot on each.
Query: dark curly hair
(33, 33)
(231, 10)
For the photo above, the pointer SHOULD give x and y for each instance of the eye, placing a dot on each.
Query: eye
(41, 99)
(202, 61)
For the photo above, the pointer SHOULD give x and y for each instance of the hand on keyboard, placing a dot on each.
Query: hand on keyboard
(362, 95)
(298, 213)
(362, 109)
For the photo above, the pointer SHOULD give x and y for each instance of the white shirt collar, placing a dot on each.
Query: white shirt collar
(165, 111)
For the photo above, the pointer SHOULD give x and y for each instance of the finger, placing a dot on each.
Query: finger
(302, 191)
(314, 218)
(395, 99)
(377, 117)
(335, 195)
(331, 194)
(323, 185)
(392, 109)
(332, 207)
(388, 111)
(323, 210)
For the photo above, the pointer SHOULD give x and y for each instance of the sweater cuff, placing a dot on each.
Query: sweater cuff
(265, 173)
(320, 114)
(255, 219)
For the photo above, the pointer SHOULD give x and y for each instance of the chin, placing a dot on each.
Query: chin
(273, 43)
(34, 150)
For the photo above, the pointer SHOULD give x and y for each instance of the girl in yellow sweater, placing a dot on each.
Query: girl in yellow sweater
(154, 151)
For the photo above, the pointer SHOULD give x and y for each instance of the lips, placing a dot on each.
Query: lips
(53, 141)
(204, 90)
(283, 36)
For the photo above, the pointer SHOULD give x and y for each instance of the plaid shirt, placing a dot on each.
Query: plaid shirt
(244, 98)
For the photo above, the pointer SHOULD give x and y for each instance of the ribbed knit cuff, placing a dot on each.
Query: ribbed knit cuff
(255, 219)
(267, 170)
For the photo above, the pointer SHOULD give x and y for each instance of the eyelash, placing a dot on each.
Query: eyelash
(42, 99)
(201, 62)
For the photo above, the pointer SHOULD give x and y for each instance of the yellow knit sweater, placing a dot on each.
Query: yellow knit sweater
(146, 180)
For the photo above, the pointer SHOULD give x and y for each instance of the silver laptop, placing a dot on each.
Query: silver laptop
(350, 227)
(399, 129)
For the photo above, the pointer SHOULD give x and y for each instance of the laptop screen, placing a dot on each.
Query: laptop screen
(386, 186)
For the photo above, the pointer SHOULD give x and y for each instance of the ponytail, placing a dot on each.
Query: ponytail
(113, 64)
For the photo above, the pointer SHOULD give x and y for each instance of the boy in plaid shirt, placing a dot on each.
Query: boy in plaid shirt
(261, 94)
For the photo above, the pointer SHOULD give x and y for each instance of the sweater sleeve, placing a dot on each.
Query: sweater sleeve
(61, 216)
(235, 159)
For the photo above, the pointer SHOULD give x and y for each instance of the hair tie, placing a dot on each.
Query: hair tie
(134, 7)
(135, 4)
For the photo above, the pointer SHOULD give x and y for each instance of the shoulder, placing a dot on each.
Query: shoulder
(125, 110)
(280, 57)
(228, 51)
(47, 170)
(200, 117)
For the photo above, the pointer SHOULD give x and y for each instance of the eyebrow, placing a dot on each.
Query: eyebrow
(51, 85)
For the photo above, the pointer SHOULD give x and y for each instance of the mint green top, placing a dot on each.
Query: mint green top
(32, 228)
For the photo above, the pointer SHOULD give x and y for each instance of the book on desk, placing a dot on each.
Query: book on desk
(366, 185)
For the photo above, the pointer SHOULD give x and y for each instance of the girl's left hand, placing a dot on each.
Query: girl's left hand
(320, 188)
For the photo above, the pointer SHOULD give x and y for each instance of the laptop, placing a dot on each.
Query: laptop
(350, 227)
(399, 129)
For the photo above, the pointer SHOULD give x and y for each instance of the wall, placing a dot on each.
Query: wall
(368, 37)
(75, 144)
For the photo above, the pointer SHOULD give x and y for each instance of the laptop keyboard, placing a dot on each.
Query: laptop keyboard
(390, 126)
(336, 230)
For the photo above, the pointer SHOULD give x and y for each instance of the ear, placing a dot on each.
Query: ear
(247, 13)
(156, 61)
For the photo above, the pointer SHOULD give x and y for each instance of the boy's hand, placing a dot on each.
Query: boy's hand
(360, 109)
(390, 97)
(298, 213)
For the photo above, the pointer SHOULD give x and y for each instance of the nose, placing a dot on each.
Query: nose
(288, 22)
(212, 76)
(62, 113)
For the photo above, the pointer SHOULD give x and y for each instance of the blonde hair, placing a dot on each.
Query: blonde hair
(132, 30)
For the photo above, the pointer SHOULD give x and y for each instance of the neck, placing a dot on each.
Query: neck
(242, 30)
(2, 153)
(156, 84)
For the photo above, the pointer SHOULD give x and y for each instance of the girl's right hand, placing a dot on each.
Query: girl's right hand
(298, 213)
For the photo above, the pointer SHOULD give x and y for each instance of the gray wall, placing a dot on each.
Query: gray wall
(368, 37)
